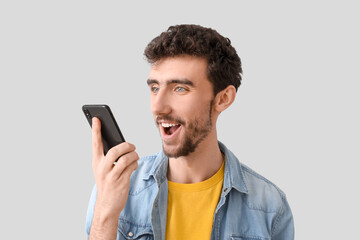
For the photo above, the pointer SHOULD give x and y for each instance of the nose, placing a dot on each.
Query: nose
(160, 103)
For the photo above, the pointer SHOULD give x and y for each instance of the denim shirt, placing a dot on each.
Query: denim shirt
(250, 206)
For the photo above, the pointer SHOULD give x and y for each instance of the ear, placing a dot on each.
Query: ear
(224, 98)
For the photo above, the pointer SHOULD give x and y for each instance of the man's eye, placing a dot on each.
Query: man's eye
(154, 89)
(180, 89)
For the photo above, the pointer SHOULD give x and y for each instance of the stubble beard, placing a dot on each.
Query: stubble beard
(195, 132)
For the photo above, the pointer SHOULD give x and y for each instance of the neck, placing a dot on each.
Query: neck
(199, 165)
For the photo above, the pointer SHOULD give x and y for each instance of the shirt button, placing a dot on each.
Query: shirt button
(130, 234)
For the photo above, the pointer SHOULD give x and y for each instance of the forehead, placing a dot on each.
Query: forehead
(180, 67)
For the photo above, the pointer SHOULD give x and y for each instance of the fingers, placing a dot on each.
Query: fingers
(97, 145)
(125, 175)
(119, 150)
(126, 165)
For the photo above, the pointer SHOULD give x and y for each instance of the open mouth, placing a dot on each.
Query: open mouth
(170, 128)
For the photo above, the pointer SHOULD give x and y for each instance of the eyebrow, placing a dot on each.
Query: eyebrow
(179, 81)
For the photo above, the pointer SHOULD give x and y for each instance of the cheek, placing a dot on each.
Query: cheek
(188, 106)
(193, 109)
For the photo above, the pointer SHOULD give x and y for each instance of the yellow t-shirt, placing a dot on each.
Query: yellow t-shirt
(191, 208)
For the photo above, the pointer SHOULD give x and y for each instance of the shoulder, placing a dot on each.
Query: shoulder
(258, 192)
(265, 212)
(264, 196)
(262, 193)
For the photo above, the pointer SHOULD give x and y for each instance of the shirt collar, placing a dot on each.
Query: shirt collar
(159, 168)
(233, 176)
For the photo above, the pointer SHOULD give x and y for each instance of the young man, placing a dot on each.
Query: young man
(194, 188)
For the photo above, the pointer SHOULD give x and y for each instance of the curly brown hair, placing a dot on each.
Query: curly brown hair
(224, 65)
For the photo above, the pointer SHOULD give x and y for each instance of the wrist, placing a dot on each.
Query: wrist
(105, 214)
(104, 224)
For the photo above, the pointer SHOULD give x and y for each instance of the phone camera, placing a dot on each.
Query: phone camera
(87, 113)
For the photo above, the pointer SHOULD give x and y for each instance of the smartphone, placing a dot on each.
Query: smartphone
(110, 131)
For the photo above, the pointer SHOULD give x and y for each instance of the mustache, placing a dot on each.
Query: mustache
(170, 119)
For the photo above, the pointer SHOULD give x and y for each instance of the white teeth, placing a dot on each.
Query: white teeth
(168, 124)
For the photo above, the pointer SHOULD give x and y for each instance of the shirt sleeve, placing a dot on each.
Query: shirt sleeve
(90, 210)
(283, 228)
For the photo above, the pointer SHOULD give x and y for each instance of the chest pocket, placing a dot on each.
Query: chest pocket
(132, 231)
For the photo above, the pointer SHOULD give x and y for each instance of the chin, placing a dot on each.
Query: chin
(178, 151)
(171, 151)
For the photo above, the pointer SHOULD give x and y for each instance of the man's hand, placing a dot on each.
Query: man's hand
(112, 181)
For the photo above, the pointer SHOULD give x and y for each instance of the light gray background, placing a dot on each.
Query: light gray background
(295, 119)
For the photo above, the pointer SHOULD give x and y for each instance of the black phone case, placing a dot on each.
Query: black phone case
(110, 131)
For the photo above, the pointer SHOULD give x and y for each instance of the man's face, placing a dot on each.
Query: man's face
(181, 102)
